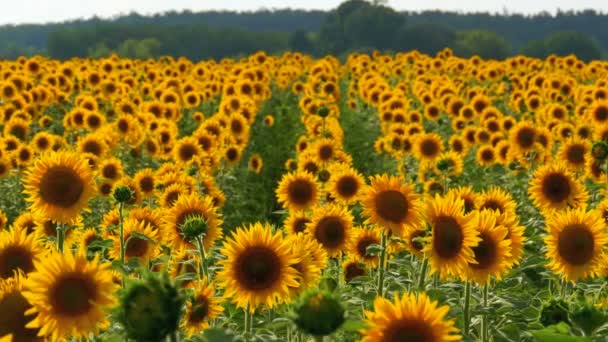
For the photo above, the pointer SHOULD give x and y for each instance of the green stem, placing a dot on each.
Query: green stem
(173, 336)
(121, 236)
(246, 328)
(381, 265)
(467, 308)
(425, 265)
(60, 237)
(484, 318)
(318, 338)
(204, 271)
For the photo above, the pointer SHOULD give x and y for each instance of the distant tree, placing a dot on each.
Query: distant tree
(300, 41)
(566, 43)
(563, 44)
(100, 50)
(485, 44)
(428, 38)
(139, 49)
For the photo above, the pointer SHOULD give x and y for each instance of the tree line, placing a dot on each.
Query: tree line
(355, 25)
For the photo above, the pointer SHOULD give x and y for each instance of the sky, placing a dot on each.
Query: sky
(42, 11)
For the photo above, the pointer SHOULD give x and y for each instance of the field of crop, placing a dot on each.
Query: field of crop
(382, 198)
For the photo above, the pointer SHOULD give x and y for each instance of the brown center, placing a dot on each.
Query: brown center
(61, 186)
(258, 268)
(576, 154)
(14, 258)
(576, 244)
(429, 148)
(13, 320)
(72, 294)
(556, 187)
(526, 137)
(408, 330)
(300, 192)
(330, 232)
(447, 237)
(199, 311)
(392, 206)
(347, 186)
(485, 253)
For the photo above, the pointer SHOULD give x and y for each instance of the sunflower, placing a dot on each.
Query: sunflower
(19, 251)
(414, 238)
(575, 243)
(412, 317)
(453, 236)
(452, 161)
(515, 234)
(574, 152)
(313, 260)
(496, 199)
(145, 181)
(257, 269)
(151, 217)
(298, 191)
(331, 226)
(391, 204)
(14, 306)
(255, 163)
(111, 169)
(428, 147)
(352, 270)
(493, 253)
(468, 196)
(94, 144)
(523, 137)
(363, 238)
(59, 185)
(201, 308)
(346, 185)
(69, 295)
(185, 150)
(486, 155)
(135, 247)
(296, 222)
(192, 205)
(554, 187)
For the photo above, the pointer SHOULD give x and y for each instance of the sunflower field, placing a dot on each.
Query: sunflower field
(399, 197)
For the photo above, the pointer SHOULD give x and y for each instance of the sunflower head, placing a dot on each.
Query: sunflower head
(257, 269)
(575, 243)
(12, 300)
(59, 185)
(70, 295)
(391, 204)
(298, 191)
(411, 317)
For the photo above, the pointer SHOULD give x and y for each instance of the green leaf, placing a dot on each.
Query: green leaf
(557, 333)
(373, 249)
(185, 276)
(353, 325)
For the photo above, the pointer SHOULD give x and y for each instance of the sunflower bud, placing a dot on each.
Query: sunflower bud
(323, 175)
(323, 112)
(444, 165)
(318, 313)
(193, 227)
(553, 312)
(192, 171)
(150, 308)
(599, 150)
(123, 194)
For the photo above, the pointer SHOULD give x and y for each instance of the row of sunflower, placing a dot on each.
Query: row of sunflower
(497, 164)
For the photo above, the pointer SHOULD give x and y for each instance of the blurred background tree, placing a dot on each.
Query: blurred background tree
(355, 25)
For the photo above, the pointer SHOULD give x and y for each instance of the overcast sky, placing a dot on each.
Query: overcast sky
(41, 11)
